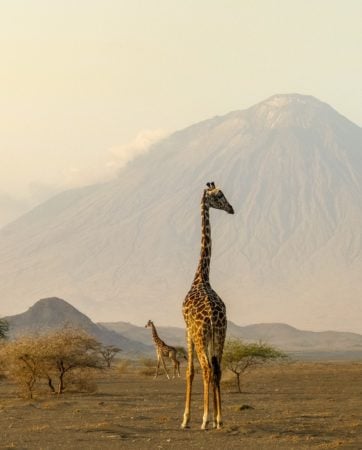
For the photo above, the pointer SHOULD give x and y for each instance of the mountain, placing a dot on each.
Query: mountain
(291, 166)
(291, 339)
(50, 314)
(285, 337)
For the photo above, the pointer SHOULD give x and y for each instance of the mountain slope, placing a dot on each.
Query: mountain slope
(291, 167)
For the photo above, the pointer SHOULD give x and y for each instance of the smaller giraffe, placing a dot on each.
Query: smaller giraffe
(162, 350)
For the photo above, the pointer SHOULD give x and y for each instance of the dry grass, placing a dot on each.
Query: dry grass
(293, 406)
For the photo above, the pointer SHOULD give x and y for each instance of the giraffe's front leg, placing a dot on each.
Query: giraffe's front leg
(189, 378)
(157, 367)
(164, 366)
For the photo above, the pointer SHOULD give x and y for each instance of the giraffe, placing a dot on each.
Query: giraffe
(162, 350)
(205, 316)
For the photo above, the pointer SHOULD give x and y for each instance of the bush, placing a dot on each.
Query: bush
(122, 366)
(149, 367)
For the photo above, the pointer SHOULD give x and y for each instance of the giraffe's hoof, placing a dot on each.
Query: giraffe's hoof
(185, 426)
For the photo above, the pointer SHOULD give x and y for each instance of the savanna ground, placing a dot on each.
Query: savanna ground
(290, 406)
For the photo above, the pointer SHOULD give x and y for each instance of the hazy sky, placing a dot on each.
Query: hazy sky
(85, 84)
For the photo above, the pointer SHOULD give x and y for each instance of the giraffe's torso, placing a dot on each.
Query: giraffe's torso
(165, 349)
(162, 348)
(205, 316)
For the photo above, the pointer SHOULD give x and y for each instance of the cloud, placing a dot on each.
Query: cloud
(111, 161)
(142, 143)
(102, 168)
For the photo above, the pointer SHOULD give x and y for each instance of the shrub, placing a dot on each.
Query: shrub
(149, 366)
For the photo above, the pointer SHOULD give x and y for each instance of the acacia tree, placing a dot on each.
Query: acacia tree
(239, 356)
(22, 361)
(49, 357)
(108, 353)
(67, 350)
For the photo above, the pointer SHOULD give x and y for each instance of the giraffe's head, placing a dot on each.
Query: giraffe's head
(215, 198)
(149, 324)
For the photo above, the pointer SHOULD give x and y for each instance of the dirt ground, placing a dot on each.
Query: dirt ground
(293, 406)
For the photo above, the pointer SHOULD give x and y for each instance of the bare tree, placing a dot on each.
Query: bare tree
(239, 356)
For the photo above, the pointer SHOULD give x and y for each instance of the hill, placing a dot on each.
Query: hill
(291, 167)
(49, 314)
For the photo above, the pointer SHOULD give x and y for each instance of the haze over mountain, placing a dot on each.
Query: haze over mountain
(127, 250)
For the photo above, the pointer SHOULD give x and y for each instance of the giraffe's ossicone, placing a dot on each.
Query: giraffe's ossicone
(205, 317)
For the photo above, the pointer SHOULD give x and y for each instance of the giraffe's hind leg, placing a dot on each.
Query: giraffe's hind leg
(216, 378)
(176, 364)
(206, 375)
(217, 419)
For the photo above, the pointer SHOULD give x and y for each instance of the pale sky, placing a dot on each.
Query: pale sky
(86, 84)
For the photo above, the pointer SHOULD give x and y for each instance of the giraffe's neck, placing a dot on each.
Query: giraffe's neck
(156, 339)
(203, 269)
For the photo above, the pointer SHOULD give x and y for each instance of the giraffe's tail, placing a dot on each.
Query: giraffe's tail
(216, 372)
(215, 364)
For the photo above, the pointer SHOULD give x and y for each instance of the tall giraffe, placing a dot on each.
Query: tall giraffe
(205, 316)
(162, 350)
